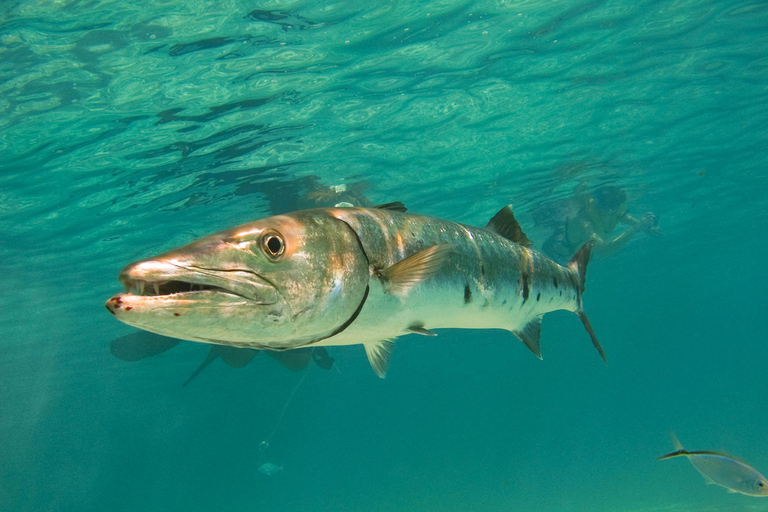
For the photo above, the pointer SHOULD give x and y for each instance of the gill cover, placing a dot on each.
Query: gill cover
(317, 266)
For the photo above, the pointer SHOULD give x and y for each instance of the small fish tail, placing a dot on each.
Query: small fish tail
(679, 450)
(676, 442)
(578, 265)
(678, 453)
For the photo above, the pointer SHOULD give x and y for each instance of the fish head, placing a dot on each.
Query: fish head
(761, 486)
(277, 283)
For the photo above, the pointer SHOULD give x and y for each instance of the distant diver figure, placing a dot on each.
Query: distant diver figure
(270, 469)
(597, 216)
(722, 470)
(265, 443)
(267, 468)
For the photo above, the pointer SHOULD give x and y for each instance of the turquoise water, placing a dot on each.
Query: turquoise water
(128, 128)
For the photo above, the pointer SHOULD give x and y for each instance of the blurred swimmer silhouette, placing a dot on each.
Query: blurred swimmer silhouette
(598, 214)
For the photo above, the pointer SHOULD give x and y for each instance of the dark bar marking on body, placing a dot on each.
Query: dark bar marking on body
(525, 285)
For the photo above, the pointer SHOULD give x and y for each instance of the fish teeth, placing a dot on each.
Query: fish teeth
(141, 287)
(156, 286)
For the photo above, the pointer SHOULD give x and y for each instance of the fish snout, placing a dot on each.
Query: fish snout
(114, 304)
(148, 271)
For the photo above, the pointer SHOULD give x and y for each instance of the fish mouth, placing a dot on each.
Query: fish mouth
(174, 281)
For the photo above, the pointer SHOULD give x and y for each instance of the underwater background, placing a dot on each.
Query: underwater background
(129, 128)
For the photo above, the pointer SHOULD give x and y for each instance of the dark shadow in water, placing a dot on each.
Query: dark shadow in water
(141, 345)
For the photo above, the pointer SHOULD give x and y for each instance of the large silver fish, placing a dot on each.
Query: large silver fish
(343, 276)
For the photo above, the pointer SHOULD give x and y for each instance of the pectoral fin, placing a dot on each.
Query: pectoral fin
(405, 274)
(378, 353)
(531, 335)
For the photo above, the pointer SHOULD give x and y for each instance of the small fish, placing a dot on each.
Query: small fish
(270, 469)
(722, 470)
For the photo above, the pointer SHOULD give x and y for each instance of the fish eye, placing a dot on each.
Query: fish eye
(273, 245)
(760, 484)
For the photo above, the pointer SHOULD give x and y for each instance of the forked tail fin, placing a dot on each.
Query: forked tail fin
(579, 262)
(578, 265)
(679, 450)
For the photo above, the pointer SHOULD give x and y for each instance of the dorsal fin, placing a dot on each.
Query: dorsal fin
(397, 206)
(530, 335)
(505, 224)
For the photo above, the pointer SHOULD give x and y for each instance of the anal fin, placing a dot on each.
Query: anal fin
(530, 334)
(378, 353)
(418, 328)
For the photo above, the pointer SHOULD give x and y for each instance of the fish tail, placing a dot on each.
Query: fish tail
(676, 442)
(678, 453)
(679, 450)
(578, 265)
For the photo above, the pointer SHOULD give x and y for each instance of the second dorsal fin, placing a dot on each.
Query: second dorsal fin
(505, 224)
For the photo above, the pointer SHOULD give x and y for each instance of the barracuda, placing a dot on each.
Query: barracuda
(345, 276)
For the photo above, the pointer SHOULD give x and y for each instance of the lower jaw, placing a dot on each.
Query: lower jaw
(181, 299)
